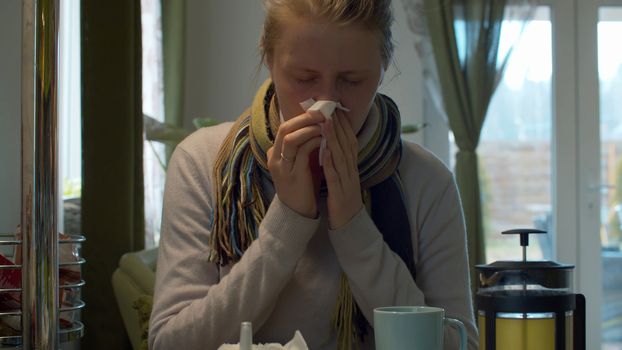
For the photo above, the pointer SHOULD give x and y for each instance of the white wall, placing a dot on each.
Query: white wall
(10, 119)
(222, 60)
(404, 82)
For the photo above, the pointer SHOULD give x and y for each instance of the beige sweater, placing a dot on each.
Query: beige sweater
(289, 277)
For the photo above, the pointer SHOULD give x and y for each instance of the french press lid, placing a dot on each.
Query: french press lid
(524, 277)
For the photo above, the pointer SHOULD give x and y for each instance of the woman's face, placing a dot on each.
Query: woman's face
(325, 61)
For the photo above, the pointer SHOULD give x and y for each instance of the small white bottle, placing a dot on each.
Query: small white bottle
(246, 336)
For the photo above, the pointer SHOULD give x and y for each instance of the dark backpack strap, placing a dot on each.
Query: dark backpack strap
(388, 210)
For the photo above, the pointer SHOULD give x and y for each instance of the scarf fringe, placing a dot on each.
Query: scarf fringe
(240, 201)
(344, 318)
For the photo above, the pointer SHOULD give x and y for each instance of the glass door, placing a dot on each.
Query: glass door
(599, 90)
(609, 44)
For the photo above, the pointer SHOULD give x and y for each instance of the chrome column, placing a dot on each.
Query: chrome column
(39, 174)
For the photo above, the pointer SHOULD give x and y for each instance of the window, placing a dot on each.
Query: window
(153, 107)
(69, 99)
(515, 144)
(610, 83)
(559, 169)
(69, 119)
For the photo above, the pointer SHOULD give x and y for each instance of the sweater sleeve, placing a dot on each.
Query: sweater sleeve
(378, 277)
(195, 307)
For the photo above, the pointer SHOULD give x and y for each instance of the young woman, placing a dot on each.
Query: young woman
(254, 229)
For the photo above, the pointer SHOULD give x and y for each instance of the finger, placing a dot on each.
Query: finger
(352, 140)
(298, 122)
(350, 145)
(342, 138)
(270, 153)
(340, 132)
(302, 156)
(302, 120)
(337, 154)
(333, 181)
(292, 141)
(272, 161)
(346, 153)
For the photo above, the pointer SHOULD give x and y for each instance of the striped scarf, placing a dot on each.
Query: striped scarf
(241, 203)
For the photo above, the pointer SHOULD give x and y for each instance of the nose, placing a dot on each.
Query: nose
(327, 90)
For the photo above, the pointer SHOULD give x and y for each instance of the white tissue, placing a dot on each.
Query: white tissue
(307, 104)
(327, 108)
(297, 343)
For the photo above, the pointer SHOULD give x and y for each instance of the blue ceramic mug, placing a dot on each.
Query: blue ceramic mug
(413, 328)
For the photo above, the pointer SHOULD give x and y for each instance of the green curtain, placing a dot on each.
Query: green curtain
(468, 67)
(173, 47)
(112, 146)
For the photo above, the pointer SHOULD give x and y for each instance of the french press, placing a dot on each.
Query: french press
(529, 305)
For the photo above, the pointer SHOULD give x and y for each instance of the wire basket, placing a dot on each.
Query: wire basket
(71, 283)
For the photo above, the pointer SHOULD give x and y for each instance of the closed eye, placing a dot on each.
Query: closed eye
(304, 79)
(351, 81)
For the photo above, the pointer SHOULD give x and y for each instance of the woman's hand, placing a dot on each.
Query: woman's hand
(288, 162)
(341, 171)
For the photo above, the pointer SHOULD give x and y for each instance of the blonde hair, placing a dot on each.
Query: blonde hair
(374, 15)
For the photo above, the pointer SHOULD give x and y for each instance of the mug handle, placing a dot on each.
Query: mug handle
(452, 322)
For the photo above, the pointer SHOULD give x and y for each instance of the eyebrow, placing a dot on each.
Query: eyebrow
(348, 72)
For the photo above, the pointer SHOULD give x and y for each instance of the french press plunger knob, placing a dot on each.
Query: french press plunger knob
(524, 237)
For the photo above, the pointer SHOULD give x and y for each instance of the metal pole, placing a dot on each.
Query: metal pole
(39, 174)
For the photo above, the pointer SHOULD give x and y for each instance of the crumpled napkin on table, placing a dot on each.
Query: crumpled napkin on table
(297, 343)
